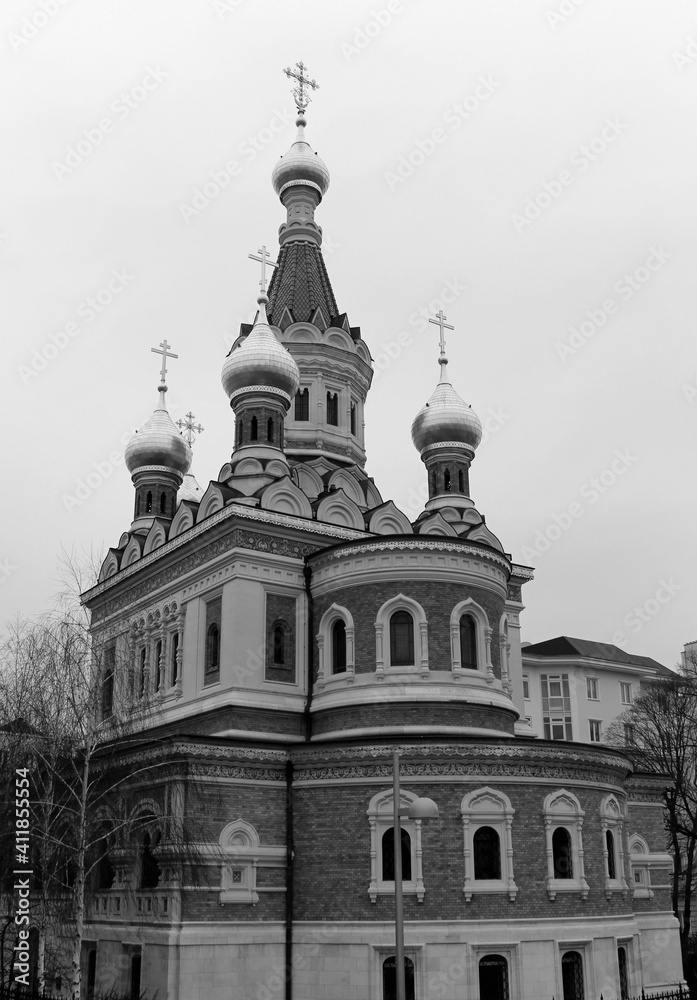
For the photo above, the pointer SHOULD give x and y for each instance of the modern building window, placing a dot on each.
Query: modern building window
(572, 976)
(353, 419)
(302, 405)
(388, 855)
(556, 707)
(339, 646)
(625, 693)
(487, 853)
(629, 734)
(592, 688)
(493, 978)
(389, 978)
(595, 730)
(468, 643)
(333, 409)
(401, 639)
(526, 687)
(561, 852)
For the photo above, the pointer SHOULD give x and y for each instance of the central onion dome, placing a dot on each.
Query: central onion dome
(300, 166)
(158, 442)
(260, 362)
(446, 419)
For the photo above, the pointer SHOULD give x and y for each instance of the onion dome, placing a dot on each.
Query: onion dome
(446, 419)
(158, 442)
(189, 489)
(300, 166)
(260, 362)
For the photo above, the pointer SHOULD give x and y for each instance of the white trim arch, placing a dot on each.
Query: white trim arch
(563, 809)
(381, 818)
(488, 807)
(484, 633)
(612, 821)
(325, 669)
(382, 636)
(243, 853)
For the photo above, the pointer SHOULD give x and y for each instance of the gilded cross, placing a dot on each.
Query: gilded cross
(302, 98)
(263, 259)
(440, 321)
(165, 352)
(189, 428)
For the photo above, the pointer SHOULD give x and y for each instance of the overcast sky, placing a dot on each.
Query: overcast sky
(529, 165)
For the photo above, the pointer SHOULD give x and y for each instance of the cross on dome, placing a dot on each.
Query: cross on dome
(188, 428)
(263, 257)
(165, 352)
(302, 98)
(439, 321)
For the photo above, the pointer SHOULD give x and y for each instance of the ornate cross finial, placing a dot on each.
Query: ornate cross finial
(264, 259)
(165, 352)
(189, 428)
(440, 321)
(302, 98)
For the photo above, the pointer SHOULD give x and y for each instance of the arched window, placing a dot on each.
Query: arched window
(388, 855)
(333, 409)
(401, 639)
(212, 648)
(468, 643)
(142, 678)
(138, 505)
(572, 976)
(353, 419)
(431, 483)
(624, 973)
(561, 853)
(461, 481)
(302, 405)
(487, 853)
(254, 431)
(148, 503)
(149, 868)
(173, 658)
(240, 426)
(493, 978)
(269, 429)
(158, 664)
(389, 978)
(446, 481)
(339, 646)
(163, 503)
(279, 644)
(610, 845)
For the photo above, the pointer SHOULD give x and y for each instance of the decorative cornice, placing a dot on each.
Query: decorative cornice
(449, 444)
(410, 543)
(271, 389)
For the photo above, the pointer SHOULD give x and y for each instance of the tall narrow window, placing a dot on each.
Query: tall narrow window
(339, 646)
(446, 481)
(211, 668)
(487, 853)
(610, 847)
(572, 976)
(108, 682)
(239, 431)
(353, 419)
(269, 429)
(254, 430)
(461, 481)
(158, 664)
(149, 867)
(143, 673)
(561, 853)
(556, 706)
(388, 855)
(333, 409)
(493, 978)
(624, 973)
(468, 643)
(212, 649)
(401, 639)
(91, 973)
(279, 644)
(135, 977)
(302, 405)
(173, 658)
(389, 979)
(148, 503)
(163, 503)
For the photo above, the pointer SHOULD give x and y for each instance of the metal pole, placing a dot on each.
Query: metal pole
(398, 909)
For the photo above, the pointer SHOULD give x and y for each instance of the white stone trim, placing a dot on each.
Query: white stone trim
(612, 821)
(488, 807)
(242, 854)
(483, 638)
(383, 663)
(563, 809)
(381, 818)
(325, 672)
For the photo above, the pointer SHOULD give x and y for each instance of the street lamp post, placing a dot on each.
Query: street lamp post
(422, 808)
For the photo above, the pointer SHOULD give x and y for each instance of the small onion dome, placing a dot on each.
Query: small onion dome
(300, 165)
(189, 489)
(446, 417)
(158, 442)
(260, 360)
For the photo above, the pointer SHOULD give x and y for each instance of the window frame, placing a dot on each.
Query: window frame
(325, 665)
(380, 814)
(211, 677)
(484, 807)
(598, 723)
(592, 689)
(561, 808)
(483, 634)
(626, 689)
(561, 716)
(242, 850)
(383, 662)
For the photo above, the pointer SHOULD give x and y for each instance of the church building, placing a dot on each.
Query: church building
(294, 628)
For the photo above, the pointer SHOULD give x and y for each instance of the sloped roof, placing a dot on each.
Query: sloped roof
(300, 282)
(564, 645)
